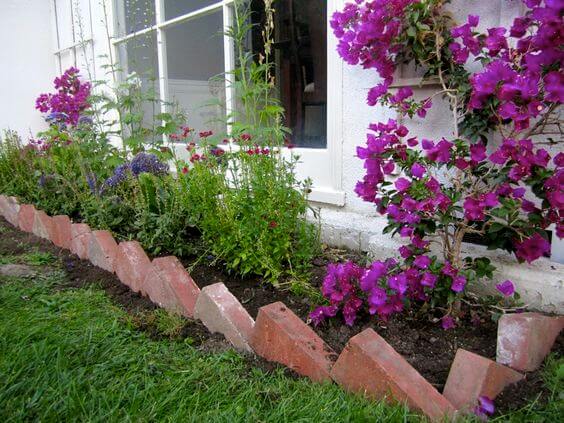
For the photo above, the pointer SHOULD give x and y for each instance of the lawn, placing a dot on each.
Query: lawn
(71, 354)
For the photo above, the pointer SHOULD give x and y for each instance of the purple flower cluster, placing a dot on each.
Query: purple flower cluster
(521, 79)
(445, 184)
(66, 105)
(367, 33)
(141, 163)
(385, 287)
(147, 163)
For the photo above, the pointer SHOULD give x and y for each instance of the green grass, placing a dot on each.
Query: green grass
(72, 355)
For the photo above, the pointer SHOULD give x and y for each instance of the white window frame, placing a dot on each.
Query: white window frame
(76, 44)
(332, 194)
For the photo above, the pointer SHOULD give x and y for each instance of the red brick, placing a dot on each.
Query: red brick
(170, 286)
(80, 238)
(132, 265)
(43, 225)
(369, 365)
(222, 313)
(102, 250)
(62, 236)
(26, 217)
(525, 339)
(283, 337)
(9, 208)
(472, 375)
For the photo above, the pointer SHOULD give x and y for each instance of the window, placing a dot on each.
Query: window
(191, 50)
(300, 44)
(73, 34)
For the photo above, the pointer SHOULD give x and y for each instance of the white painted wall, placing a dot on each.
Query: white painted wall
(27, 66)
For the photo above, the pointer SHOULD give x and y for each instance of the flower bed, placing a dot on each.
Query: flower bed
(10, 208)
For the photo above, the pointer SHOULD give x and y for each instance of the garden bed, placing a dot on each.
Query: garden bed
(423, 343)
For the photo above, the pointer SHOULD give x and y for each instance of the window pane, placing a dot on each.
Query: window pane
(194, 58)
(138, 62)
(175, 8)
(134, 15)
(301, 66)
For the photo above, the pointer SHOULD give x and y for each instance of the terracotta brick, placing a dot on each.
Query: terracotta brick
(525, 339)
(132, 265)
(170, 286)
(62, 236)
(43, 225)
(9, 208)
(283, 337)
(222, 313)
(102, 249)
(26, 217)
(369, 365)
(472, 375)
(80, 238)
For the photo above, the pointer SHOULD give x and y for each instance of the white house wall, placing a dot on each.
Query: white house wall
(26, 63)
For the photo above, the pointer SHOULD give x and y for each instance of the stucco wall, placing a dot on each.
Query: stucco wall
(27, 65)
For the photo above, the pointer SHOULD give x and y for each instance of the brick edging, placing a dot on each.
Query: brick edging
(367, 364)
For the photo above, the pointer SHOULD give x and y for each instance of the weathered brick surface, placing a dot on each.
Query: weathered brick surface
(472, 375)
(80, 238)
(102, 249)
(62, 235)
(170, 286)
(370, 366)
(525, 339)
(26, 217)
(283, 337)
(43, 225)
(132, 265)
(9, 208)
(222, 313)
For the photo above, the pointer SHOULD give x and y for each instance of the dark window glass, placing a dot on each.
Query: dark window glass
(301, 65)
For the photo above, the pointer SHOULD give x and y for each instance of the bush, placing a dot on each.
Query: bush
(508, 194)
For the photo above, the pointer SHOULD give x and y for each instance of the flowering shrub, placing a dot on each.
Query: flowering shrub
(67, 104)
(508, 194)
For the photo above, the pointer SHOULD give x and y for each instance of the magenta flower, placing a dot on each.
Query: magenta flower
(418, 170)
(447, 322)
(429, 280)
(506, 288)
(458, 283)
(422, 262)
(532, 248)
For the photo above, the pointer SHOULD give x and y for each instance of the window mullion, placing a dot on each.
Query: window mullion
(229, 59)
(162, 59)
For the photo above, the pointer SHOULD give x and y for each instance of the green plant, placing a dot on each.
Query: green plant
(245, 195)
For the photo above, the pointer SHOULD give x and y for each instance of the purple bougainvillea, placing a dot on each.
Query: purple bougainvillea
(508, 194)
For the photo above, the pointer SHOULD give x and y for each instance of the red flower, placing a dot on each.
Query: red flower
(185, 170)
(272, 224)
(206, 134)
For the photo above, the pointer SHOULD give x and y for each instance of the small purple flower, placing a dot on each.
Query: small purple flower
(418, 170)
(485, 407)
(506, 288)
(458, 283)
(422, 262)
(447, 322)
